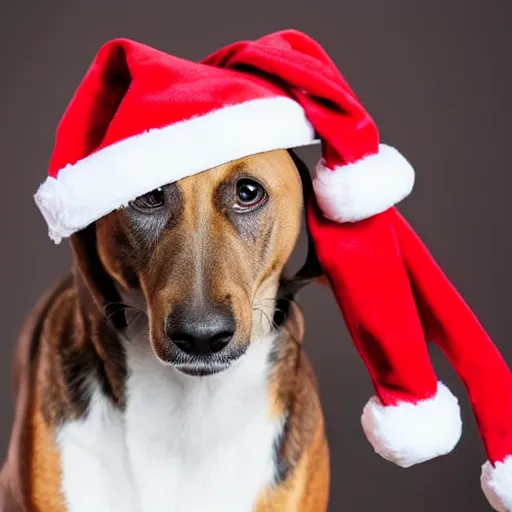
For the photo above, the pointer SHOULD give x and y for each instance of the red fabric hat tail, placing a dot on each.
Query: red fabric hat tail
(413, 417)
(450, 323)
(392, 295)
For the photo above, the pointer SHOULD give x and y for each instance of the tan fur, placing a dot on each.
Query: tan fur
(308, 488)
(45, 468)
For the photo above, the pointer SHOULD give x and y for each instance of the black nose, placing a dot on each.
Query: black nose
(203, 331)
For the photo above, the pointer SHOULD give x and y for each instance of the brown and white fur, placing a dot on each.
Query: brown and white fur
(120, 408)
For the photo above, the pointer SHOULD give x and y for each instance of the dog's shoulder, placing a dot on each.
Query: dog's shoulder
(15, 481)
(300, 451)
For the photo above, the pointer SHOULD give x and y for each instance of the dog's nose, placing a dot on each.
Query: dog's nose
(201, 332)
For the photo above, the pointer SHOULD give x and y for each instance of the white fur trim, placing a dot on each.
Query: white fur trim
(497, 484)
(110, 178)
(409, 434)
(362, 189)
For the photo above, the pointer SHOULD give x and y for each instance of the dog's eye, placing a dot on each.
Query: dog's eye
(249, 194)
(149, 201)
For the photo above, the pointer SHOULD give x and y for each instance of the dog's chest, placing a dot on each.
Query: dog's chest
(183, 444)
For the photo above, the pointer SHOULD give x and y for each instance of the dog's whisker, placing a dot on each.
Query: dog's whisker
(136, 317)
(273, 301)
(277, 299)
(274, 307)
(271, 323)
(121, 306)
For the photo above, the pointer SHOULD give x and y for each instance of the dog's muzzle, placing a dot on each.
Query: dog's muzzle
(200, 340)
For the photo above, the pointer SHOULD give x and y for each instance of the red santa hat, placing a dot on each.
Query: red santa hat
(141, 119)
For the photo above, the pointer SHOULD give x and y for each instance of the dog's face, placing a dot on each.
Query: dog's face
(203, 257)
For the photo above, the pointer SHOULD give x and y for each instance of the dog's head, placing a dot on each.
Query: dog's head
(202, 258)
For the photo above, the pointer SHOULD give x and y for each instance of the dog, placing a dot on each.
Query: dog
(166, 371)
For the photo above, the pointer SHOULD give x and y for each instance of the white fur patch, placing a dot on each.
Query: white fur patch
(497, 484)
(184, 444)
(115, 175)
(365, 188)
(409, 434)
(95, 465)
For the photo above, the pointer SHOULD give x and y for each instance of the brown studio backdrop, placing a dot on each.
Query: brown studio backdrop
(437, 78)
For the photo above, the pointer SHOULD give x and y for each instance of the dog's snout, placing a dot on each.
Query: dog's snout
(201, 331)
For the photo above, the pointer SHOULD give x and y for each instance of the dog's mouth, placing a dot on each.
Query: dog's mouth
(203, 366)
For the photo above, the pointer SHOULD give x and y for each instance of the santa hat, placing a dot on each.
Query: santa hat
(141, 119)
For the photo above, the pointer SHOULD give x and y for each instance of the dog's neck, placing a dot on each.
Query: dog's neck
(149, 377)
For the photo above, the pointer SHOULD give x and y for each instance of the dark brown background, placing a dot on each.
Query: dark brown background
(436, 75)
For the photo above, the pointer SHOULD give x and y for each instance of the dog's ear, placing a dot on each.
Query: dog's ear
(92, 280)
(311, 269)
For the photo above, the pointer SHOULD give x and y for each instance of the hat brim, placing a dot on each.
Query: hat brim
(91, 188)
